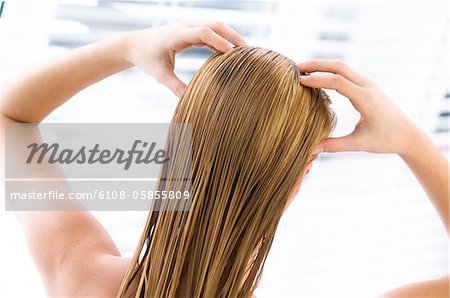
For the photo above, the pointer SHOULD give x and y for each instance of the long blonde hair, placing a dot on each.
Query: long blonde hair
(254, 129)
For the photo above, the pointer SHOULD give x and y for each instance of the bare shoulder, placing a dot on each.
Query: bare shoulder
(100, 276)
(432, 288)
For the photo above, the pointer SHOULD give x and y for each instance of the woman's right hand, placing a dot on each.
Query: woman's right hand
(382, 128)
(153, 50)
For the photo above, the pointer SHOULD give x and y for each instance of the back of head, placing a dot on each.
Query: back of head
(254, 129)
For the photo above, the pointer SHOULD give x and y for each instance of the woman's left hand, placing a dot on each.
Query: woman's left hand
(153, 50)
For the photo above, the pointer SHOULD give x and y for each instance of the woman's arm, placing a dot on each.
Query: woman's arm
(69, 247)
(383, 128)
(437, 288)
(34, 95)
(432, 170)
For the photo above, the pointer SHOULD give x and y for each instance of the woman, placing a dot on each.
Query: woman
(255, 130)
(85, 261)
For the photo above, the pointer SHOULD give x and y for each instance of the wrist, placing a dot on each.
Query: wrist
(122, 49)
(127, 46)
(132, 46)
(415, 140)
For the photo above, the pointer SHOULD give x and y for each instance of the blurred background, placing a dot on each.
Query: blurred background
(361, 224)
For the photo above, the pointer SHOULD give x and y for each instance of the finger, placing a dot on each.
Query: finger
(336, 82)
(221, 29)
(205, 36)
(334, 66)
(211, 39)
(228, 33)
(203, 45)
(345, 143)
(171, 81)
(211, 49)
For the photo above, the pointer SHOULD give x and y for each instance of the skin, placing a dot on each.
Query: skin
(70, 262)
(383, 128)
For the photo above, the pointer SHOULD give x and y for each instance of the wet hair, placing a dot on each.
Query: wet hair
(254, 129)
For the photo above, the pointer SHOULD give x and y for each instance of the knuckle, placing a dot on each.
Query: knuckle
(205, 32)
(366, 93)
(312, 63)
(219, 24)
(372, 85)
(339, 63)
(338, 80)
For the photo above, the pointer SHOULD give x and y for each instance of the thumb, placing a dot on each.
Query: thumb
(345, 143)
(171, 81)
